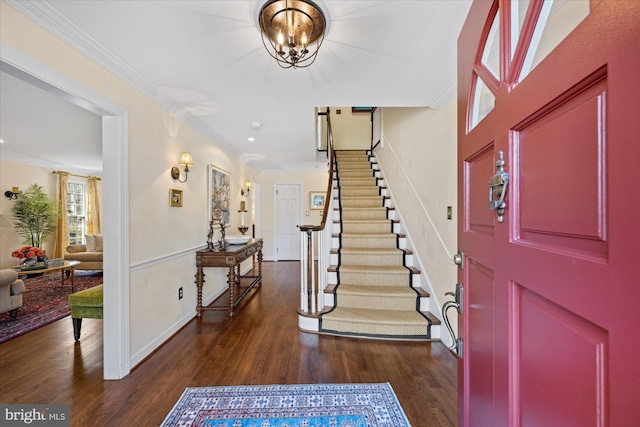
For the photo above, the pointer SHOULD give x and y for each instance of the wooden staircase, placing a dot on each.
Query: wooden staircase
(373, 289)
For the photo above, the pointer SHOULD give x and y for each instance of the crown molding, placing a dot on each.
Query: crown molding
(45, 15)
(446, 95)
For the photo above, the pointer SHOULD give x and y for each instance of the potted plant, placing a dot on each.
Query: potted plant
(35, 216)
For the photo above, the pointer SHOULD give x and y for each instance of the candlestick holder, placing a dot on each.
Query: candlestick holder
(210, 237)
(243, 228)
(222, 242)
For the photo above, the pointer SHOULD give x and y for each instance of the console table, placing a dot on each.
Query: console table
(231, 258)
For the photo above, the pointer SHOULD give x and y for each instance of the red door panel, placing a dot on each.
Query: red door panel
(551, 320)
(480, 320)
(561, 159)
(549, 394)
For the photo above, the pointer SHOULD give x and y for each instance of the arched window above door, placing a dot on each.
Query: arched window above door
(525, 32)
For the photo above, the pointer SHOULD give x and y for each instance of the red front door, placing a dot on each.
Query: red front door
(550, 325)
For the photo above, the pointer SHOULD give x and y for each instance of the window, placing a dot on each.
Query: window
(77, 212)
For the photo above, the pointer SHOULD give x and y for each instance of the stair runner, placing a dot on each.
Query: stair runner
(373, 296)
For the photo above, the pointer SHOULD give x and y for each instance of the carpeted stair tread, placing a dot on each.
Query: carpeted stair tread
(373, 251)
(359, 191)
(384, 323)
(359, 214)
(362, 202)
(376, 316)
(357, 235)
(372, 226)
(356, 173)
(379, 240)
(352, 165)
(374, 297)
(371, 256)
(374, 275)
(373, 269)
(374, 221)
(365, 235)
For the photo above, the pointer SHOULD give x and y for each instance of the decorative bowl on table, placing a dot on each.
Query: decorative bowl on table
(238, 239)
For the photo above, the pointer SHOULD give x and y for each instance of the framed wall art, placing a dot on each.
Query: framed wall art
(175, 198)
(316, 199)
(218, 194)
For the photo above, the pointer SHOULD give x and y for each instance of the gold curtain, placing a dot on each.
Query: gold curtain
(62, 232)
(93, 220)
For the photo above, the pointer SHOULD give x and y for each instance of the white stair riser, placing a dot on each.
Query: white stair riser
(310, 324)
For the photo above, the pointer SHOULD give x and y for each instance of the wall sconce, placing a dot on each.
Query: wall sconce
(246, 189)
(185, 160)
(13, 193)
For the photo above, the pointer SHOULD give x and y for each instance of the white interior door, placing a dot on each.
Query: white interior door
(287, 221)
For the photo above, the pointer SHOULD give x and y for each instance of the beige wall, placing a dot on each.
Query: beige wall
(21, 175)
(418, 160)
(351, 131)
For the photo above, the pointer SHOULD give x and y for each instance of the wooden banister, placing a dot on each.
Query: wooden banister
(312, 278)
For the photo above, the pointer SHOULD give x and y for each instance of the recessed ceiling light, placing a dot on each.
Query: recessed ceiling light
(251, 139)
(256, 125)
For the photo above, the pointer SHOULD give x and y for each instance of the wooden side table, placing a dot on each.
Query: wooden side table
(231, 258)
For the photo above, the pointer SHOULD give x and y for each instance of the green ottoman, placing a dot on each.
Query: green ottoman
(85, 304)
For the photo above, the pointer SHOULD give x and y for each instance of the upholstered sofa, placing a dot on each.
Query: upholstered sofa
(11, 289)
(89, 254)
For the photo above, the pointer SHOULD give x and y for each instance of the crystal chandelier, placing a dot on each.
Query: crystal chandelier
(292, 28)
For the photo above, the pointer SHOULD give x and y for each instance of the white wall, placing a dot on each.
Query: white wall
(418, 160)
(162, 238)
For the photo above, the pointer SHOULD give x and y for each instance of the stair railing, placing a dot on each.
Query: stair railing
(376, 127)
(313, 276)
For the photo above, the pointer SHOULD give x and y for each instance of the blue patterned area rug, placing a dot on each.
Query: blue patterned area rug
(315, 405)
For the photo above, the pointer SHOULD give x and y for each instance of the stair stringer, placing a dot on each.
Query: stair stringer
(434, 305)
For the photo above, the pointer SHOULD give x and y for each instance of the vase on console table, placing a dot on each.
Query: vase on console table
(28, 263)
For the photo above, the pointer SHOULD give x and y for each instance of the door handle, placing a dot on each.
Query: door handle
(498, 185)
(458, 259)
(458, 303)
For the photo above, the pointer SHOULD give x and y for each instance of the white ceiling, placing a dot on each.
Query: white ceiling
(205, 61)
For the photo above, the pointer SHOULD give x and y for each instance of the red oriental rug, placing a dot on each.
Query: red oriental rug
(44, 301)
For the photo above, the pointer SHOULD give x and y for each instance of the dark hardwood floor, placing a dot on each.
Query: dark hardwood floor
(261, 345)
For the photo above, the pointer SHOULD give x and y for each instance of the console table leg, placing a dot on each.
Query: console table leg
(260, 267)
(231, 281)
(199, 282)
